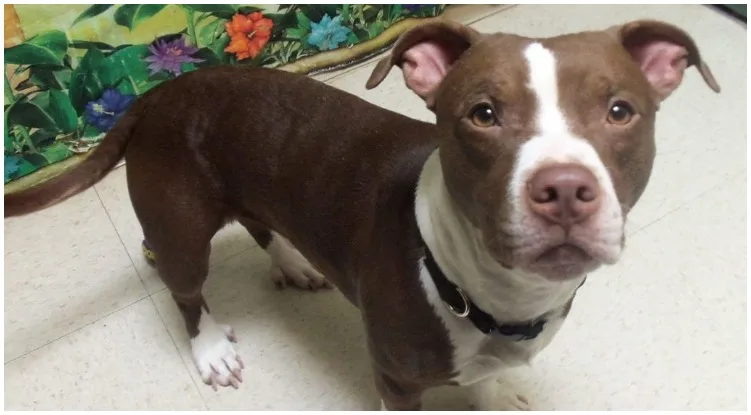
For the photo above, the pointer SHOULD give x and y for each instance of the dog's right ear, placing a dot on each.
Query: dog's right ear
(663, 52)
(425, 54)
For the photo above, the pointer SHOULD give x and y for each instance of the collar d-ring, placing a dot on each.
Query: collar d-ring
(456, 311)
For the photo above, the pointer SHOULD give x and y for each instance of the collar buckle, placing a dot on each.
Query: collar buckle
(483, 321)
(455, 310)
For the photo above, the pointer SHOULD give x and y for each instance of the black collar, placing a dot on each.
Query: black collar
(460, 305)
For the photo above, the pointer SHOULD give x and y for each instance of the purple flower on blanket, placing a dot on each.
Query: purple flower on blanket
(104, 112)
(169, 56)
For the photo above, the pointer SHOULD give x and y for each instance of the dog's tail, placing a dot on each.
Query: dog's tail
(90, 171)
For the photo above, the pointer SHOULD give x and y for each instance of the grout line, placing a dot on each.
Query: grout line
(147, 295)
(135, 269)
(132, 261)
(120, 238)
(716, 186)
(177, 350)
(501, 9)
(153, 303)
(158, 291)
(189, 364)
(244, 251)
(164, 325)
(78, 329)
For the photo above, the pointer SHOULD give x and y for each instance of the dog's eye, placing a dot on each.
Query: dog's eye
(620, 113)
(483, 116)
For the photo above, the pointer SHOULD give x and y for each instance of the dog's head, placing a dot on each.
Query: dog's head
(546, 144)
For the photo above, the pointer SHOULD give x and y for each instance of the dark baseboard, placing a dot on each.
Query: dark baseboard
(737, 12)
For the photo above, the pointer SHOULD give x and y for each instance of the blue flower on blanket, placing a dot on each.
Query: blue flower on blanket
(415, 7)
(11, 166)
(104, 112)
(328, 34)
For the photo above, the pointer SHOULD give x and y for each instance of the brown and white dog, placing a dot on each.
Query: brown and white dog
(461, 243)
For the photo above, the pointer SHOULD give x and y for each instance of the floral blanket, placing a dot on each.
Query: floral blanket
(72, 70)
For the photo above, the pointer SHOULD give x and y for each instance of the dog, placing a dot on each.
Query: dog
(462, 243)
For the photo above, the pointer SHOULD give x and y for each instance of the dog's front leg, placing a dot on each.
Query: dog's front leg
(495, 394)
(397, 395)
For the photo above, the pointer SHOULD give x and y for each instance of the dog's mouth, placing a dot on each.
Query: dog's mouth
(563, 261)
(557, 254)
(566, 253)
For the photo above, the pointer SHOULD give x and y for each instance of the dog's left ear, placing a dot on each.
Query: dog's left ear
(425, 54)
(663, 52)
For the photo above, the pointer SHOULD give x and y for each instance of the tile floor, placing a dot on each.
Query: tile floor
(89, 326)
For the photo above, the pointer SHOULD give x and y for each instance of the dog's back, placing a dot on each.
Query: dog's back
(260, 146)
(263, 145)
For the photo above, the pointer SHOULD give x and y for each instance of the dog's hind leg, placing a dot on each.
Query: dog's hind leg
(288, 265)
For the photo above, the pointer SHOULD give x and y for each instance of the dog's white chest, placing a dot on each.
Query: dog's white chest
(476, 355)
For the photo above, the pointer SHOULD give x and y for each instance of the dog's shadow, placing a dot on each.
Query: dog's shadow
(304, 340)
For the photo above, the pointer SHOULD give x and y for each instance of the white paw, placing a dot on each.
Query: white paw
(288, 265)
(511, 402)
(503, 402)
(213, 354)
(495, 395)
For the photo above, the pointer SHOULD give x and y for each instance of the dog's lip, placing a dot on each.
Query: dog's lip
(565, 253)
(562, 261)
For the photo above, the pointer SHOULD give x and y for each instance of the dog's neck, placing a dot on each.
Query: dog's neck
(458, 248)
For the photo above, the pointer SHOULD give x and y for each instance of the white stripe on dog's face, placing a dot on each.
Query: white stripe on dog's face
(548, 182)
(554, 143)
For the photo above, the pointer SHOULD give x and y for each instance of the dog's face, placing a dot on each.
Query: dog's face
(546, 143)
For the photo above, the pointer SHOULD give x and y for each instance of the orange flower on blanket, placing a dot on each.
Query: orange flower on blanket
(248, 34)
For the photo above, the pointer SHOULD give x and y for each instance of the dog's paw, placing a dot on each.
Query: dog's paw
(495, 395)
(503, 402)
(305, 278)
(215, 357)
(511, 402)
(288, 265)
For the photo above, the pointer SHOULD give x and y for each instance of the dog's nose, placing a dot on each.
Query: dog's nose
(564, 194)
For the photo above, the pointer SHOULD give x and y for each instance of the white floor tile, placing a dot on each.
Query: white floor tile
(694, 154)
(64, 268)
(126, 361)
(113, 191)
